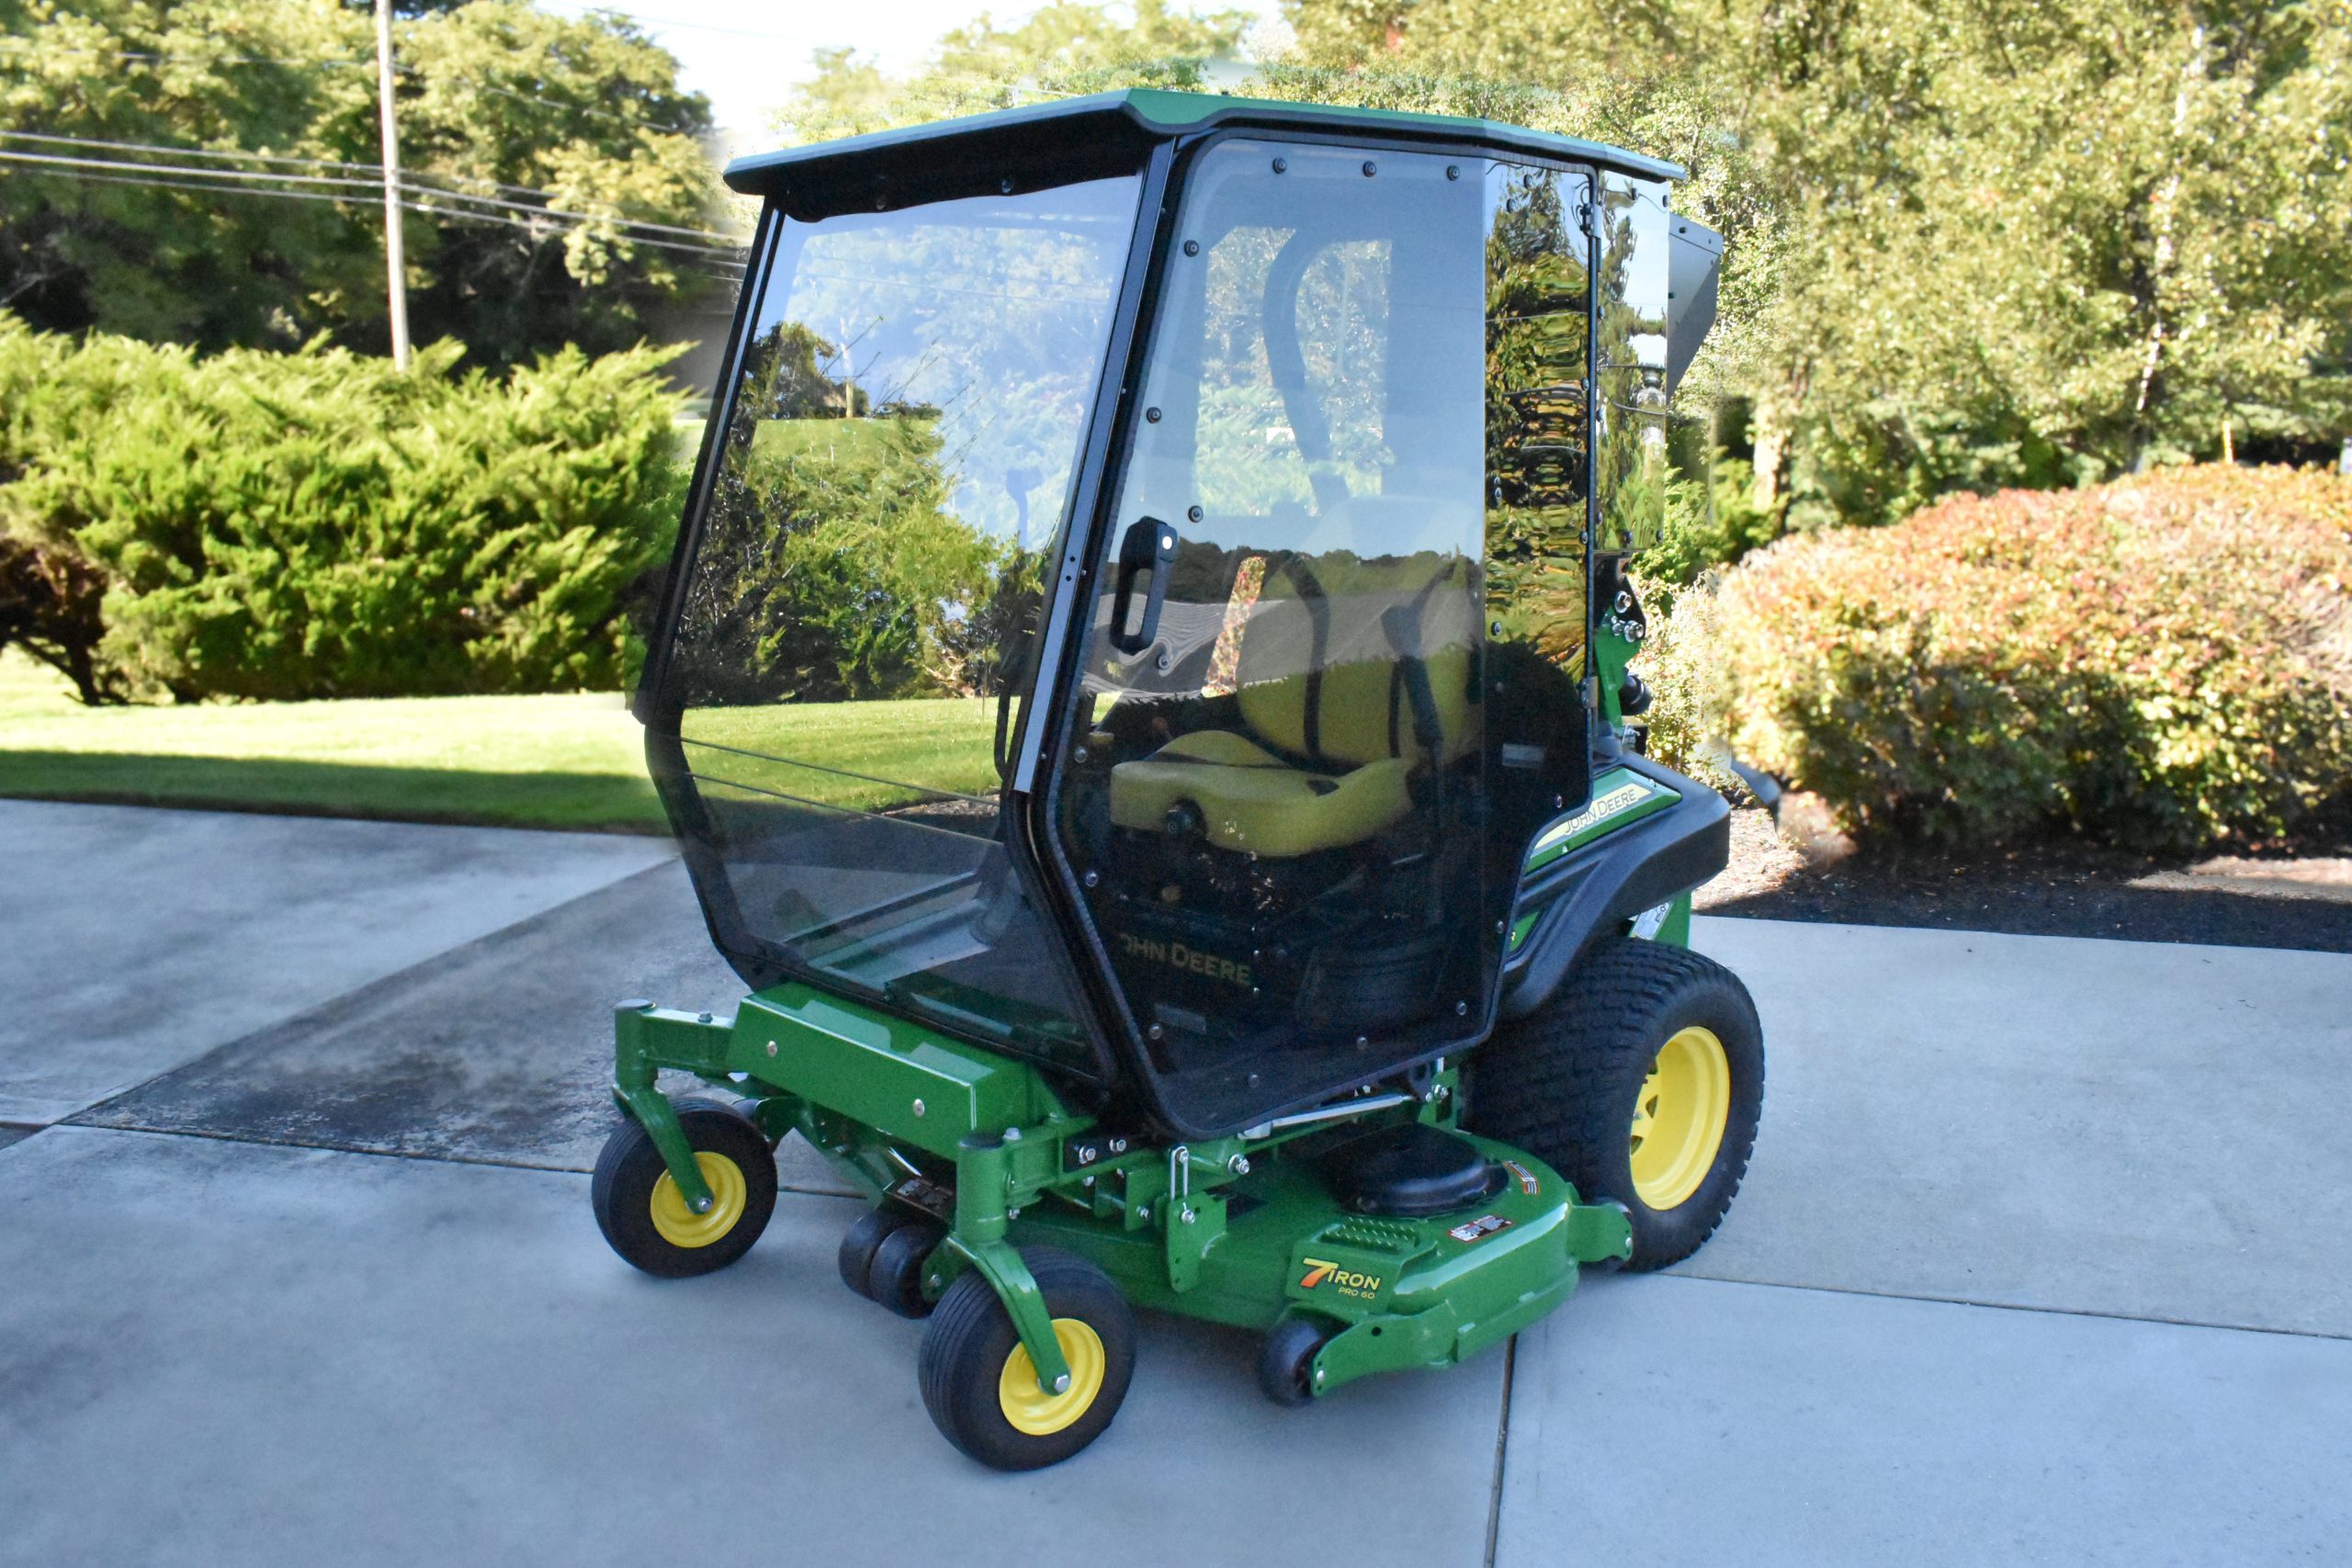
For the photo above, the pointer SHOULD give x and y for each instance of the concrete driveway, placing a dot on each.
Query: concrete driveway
(2046, 1256)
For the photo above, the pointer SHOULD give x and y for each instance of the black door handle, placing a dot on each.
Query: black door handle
(1149, 545)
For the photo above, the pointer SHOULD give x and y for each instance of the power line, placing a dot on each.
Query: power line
(407, 185)
(231, 186)
(238, 156)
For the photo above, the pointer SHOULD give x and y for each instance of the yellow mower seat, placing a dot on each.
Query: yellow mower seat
(1253, 802)
(1319, 676)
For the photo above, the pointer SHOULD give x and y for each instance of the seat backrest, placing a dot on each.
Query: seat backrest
(1320, 675)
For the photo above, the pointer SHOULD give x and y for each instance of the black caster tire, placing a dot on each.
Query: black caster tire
(893, 1278)
(1286, 1369)
(858, 1247)
(1641, 1081)
(645, 1218)
(976, 1377)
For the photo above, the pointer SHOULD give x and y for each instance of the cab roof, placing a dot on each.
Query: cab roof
(1106, 125)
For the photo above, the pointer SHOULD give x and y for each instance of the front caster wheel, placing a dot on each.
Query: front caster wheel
(646, 1218)
(895, 1278)
(1286, 1370)
(981, 1388)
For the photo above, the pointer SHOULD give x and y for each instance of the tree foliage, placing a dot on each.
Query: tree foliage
(2018, 243)
(577, 115)
(1064, 48)
(827, 560)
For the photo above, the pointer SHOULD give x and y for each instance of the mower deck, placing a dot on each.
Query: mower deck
(1403, 1291)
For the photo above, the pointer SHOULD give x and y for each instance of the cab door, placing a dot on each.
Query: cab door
(1271, 789)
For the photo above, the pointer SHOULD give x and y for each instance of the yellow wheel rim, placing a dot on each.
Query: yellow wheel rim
(1030, 1408)
(1679, 1118)
(679, 1226)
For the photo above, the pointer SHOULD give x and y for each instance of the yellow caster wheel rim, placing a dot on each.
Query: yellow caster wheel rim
(1680, 1117)
(1030, 1408)
(679, 1226)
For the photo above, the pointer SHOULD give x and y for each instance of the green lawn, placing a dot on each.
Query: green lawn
(554, 761)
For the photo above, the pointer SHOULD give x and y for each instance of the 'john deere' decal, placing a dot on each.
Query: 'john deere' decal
(1609, 803)
(1485, 1225)
(1176, 955)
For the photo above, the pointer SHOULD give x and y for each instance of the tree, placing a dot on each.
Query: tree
(2013, 243)
(1065, 48)
(512, 117)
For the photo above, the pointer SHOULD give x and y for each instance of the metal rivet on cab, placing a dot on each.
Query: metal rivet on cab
(1151, 416)
(918, 1107)
(771, 1047)
(1092, 879)
(1369, 168)
(1194, 513)
(1453, 171)
(1192, 247)
(1154, 1033)
(1281, 164)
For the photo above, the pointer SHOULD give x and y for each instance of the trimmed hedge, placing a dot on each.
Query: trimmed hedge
(318, 523)
(2158, 662)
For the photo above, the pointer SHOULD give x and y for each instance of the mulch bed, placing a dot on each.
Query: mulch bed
(2295, 896)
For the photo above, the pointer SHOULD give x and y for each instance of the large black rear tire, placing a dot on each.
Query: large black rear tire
(1645, 1046)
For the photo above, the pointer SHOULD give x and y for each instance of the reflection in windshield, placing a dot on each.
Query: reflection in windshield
(895, 470)
(1629, 467)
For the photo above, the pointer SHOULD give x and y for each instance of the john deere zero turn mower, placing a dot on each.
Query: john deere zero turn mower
(1143, 694)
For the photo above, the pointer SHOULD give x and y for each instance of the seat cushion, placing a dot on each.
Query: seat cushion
(1411, 1171)
(1252, 801)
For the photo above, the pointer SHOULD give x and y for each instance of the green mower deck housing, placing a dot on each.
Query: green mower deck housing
(1143, 694)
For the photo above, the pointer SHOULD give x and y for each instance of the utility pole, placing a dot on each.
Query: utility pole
(395, 263)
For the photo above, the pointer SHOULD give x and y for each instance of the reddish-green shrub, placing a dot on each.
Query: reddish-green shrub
(2160, 662)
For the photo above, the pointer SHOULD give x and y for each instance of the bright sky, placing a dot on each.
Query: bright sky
(744, 56)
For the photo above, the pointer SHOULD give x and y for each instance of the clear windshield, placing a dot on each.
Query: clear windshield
(897, 464)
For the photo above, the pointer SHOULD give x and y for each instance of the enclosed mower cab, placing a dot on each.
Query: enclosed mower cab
(1146, 657)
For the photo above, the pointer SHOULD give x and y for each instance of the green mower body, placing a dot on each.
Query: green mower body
(1143, 695)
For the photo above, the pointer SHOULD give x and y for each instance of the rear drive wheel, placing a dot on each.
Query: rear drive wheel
(981, 1387)
(646, 1218)
(1641, 1081)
